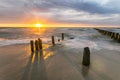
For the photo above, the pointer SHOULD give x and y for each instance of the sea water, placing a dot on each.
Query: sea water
(74, 37)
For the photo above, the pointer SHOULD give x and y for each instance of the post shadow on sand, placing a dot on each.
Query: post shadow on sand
(85, 70)
(26, 74)
(35, 69)
(42, 67)
(86, 74)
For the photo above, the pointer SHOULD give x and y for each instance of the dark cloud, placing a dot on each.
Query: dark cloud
(93, 8)
(89, 7)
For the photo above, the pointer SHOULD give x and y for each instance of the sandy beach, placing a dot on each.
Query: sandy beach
(59, 62)
(59, 39)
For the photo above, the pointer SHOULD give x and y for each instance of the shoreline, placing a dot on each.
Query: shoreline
(57, 63)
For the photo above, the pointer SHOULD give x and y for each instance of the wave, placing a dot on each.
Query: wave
(6, 42)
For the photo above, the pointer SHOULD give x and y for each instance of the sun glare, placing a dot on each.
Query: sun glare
(38, 25)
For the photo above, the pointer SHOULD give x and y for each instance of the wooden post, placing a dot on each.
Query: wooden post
(36, 45)
(106, 33)
(58, 40)
(103, 32)
(32, 45)
(113, 35)
(99, 30)
(40, 43)
(110, 33)
(86, 57)
(53, 41)
(62, 36)
(117, 36)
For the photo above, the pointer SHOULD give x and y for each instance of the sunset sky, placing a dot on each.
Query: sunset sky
(61, 13)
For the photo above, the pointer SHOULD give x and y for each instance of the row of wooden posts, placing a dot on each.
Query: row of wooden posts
(37, 45)
(53, 39)
(112, 35)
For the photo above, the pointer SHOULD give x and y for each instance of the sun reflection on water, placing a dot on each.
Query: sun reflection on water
(39, 31)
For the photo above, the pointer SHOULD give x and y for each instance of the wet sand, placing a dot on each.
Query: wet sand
(57, 63)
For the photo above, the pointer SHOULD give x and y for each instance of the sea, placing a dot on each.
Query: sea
(74, 37)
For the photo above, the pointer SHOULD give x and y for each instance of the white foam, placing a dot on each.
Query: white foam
(12, 42)
(4, 42)
(81, 44)
(98, 45)
(108, 45)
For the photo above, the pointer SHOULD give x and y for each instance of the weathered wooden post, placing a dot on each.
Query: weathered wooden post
(36, 45)
(117, 36)
(53, 40)
(58, 40)
(110, 33)
(62, 36)
(86, 57)
(113, 35)
(104, 33)
(107, 33)
(32, 45)
(100, 31)
(40, 43)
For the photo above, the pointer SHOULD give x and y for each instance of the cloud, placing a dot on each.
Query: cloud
(69, 11)
(90, 7)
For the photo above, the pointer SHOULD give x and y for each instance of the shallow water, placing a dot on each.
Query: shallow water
(74, 37)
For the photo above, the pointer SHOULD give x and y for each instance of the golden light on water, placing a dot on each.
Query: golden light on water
(48, 55)
(38, 25)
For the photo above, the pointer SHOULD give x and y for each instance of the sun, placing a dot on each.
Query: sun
(38, 25)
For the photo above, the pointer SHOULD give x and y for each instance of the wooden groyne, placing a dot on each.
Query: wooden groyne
(37, 46)
(113, 35)
(86, 56)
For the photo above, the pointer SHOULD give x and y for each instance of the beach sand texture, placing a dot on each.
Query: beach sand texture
(58, 62)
